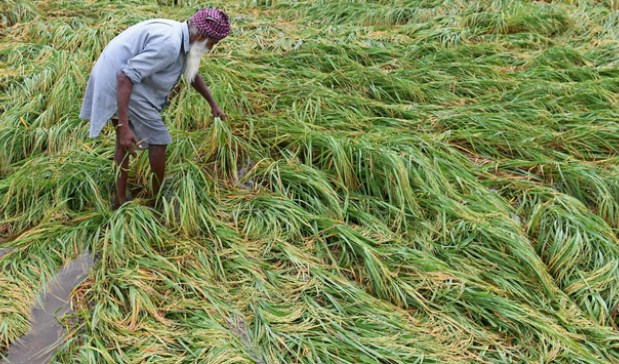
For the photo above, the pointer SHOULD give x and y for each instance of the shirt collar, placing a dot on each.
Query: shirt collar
(185, 29)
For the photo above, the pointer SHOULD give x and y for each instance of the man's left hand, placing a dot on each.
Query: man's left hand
(217, 112)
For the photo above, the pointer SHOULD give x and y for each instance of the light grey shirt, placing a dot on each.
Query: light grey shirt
(152, 54)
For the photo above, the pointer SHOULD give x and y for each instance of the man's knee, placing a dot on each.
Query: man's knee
(157, 152)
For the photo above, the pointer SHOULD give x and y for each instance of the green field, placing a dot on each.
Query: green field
(398, 181)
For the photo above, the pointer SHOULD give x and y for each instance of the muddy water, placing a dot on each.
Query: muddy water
(242, 171)
(39, 345)
(237, 326)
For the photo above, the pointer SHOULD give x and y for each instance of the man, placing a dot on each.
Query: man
(132, 79)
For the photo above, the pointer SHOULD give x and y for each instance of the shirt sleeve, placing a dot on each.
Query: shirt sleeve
(156, 56)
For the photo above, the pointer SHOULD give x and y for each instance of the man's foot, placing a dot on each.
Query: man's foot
(155, 205)
(116, 203)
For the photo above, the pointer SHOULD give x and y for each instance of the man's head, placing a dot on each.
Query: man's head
(206, 28)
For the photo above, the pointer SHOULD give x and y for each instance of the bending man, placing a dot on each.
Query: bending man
(132, 79)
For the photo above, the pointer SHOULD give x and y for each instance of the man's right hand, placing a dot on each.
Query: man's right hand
(127, 138)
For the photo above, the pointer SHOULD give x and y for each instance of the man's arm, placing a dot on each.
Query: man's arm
(199, 85)
(123, 93)
(156, 55)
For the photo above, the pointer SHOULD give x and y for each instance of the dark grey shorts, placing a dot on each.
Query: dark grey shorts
(148, 131)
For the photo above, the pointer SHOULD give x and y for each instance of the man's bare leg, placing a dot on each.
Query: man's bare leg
(156, 156)
(122, 159)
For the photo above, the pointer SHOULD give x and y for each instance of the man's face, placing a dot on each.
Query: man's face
(198, 46)
(200, 38)
(211, 43)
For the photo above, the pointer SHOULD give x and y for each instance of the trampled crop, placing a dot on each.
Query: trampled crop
(397, 182)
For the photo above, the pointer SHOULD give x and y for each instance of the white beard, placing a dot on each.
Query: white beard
(194, 56)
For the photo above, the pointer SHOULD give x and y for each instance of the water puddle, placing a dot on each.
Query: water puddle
(242, 171)
(39, 345)
(237, 325)
(4, 251)
(4, 241)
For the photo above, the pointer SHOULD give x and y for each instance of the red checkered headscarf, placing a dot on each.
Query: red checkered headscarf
(212, 23)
